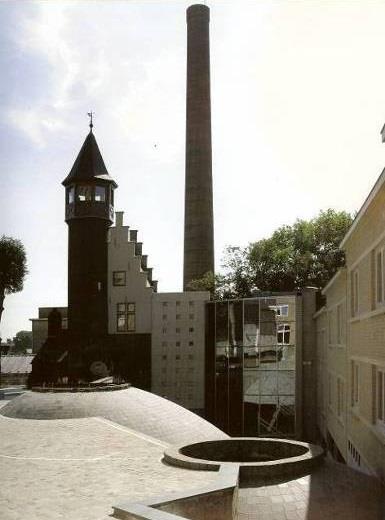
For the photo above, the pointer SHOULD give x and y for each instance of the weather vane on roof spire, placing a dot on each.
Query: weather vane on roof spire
(90, 114)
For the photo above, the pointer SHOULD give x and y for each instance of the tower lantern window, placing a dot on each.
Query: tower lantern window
(84, 193)
(100, 194)
(70, 195)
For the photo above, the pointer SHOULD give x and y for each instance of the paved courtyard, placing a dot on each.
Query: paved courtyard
(331, 492)
(79, 468)
(76, 469)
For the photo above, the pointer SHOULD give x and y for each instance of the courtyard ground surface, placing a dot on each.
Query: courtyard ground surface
(332, 492)
(79, 468)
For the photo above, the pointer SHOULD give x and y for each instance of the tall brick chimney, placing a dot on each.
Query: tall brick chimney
(198, 224)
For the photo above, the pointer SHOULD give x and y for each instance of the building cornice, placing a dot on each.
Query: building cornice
(369, 199)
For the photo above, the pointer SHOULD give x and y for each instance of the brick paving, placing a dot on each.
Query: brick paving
(76, 469)
(332, 492)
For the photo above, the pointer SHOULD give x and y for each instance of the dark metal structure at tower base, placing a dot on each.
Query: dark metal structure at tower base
(198, 225)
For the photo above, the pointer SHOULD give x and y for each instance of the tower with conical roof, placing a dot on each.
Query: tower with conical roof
(89, 213)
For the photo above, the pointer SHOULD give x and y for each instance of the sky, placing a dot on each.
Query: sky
(298, 102)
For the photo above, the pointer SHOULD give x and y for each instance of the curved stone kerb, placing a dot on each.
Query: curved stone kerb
(301, 457)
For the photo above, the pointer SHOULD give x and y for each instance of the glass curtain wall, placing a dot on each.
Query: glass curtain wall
(254, 385)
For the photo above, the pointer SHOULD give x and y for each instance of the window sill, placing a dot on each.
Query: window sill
(369, 314)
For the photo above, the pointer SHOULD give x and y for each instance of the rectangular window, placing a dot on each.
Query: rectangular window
(339, 324)
(191, 316)
(164, 330)
(177, 343)
(330, 328)
(125, 317)
(100, 194)
(191, 303)
(70, 195)
(177, 330)
(191, 329)
(177, 303)
(283, 334)
(355, 292)
(282, 310)
(340, 397)
(119, 278)
(380, 276)
(355, 383)
(178, 316)
(380, 396)
(164, 304)
(190, 343)
(84, 193)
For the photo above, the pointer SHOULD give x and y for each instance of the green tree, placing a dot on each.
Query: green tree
(13, 267)
(216, 285)
(304, 254)
(21, 342)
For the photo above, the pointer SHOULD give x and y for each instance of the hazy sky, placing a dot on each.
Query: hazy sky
(298, 101)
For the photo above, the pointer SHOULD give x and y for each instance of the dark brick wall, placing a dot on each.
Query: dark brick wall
(87, 265)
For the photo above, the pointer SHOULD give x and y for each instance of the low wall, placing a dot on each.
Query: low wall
(215, 502)
(217, 505)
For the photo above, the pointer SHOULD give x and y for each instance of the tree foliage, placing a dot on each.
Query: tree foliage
(13, 267)
(22, 341)
(215, 284)
(304, 254)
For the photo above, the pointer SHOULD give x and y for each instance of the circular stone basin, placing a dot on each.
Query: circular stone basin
(255, 456)
(243, 450)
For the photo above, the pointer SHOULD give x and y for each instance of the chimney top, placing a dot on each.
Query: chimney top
(198, 11)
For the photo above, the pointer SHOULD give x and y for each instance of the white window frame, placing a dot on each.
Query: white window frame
(355, 384)
(355, 293)
(330, 386)
(380, 285)
(279, 310)
(330, 327)
(340, 324)
(283, 328)
(380, 397)
(125, 317)
(340, 397)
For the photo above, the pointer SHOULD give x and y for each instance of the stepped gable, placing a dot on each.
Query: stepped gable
(132, 236)
(133, 408)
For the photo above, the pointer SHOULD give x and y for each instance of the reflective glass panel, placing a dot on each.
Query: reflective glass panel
(251, 325)
(100, 193)
(221, 324)
(84, 193)
(286, 382)
(71, 194)
(268, 382)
